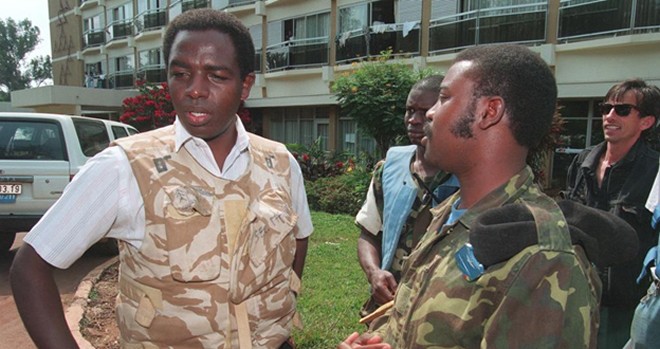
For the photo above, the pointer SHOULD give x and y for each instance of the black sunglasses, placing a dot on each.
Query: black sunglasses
(620, 109)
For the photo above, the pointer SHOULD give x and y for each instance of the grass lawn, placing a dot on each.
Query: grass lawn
(334, 286)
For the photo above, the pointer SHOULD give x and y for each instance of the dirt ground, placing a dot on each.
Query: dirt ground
(99, 325)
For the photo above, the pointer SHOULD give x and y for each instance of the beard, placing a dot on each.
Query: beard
(462, 127)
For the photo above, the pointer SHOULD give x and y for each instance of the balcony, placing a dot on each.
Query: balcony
(121, 29)
(154, 73)
(235, 3)
(92, 39)
(401, 38)
(151, 20)
(298, 53)
(88, 4)
(606, 18)
(193, 4)
(119, 80)
(513, 24)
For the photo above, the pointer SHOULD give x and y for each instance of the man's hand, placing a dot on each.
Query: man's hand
(383, 286)
(364, 341)
(382, 282)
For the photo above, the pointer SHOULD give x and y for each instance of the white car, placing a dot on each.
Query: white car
(39, 155)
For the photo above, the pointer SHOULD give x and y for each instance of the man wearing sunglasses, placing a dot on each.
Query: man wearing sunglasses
(616, 176)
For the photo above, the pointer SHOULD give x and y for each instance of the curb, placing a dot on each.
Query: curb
(76, 309)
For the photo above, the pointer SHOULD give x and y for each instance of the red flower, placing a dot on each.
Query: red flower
(150, 109)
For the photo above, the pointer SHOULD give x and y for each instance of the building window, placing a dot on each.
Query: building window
(123, 68)
(352, 141)
(304, 42)
(95, 75)
(583, 128)
(300, 125)
(93, 33)
(192, 4)
(152, 14)
(475, 22)
(121, 21)
(367, 29)
(151, 67)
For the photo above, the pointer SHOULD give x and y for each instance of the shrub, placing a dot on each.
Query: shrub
(375, 94)
(339, 194)
(316, 163)
(150, 109)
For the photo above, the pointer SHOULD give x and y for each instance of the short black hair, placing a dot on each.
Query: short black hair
(523, 80)
(430, 83)
(648, 96)
(210, 19)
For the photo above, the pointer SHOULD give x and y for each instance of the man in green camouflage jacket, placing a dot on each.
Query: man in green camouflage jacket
(496, 102)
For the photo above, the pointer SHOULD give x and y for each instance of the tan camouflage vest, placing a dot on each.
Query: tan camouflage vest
(215, 266)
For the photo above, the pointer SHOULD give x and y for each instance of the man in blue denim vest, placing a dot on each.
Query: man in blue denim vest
(396, 210)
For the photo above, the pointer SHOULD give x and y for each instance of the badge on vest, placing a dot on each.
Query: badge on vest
(161, 164)
(468, 263)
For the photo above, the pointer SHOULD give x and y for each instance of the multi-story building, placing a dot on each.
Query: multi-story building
(101, 47)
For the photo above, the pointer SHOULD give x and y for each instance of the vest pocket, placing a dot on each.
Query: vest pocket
(193, 235)
(264, 258)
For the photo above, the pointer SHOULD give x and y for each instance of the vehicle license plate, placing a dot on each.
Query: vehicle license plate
(11, 189)
(7, 198)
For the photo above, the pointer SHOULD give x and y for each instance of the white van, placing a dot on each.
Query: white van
(39, 155)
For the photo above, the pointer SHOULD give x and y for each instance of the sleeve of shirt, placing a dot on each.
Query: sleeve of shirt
(549, 304)
(299, 197)
(369, 216)
(99, 202)
(654, 195)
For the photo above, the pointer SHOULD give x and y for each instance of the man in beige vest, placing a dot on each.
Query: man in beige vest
(212, 221)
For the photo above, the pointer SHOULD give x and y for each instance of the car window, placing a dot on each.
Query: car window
(92, 135)
(119, 132)
(132, 131)
(31, 140)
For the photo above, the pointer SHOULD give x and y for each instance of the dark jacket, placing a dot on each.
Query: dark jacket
(625, 188)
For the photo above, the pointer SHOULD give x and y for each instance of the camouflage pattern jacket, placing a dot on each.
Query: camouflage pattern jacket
(546, 296)
(215, 266)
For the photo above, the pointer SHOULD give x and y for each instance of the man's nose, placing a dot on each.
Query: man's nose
(418, 117)
(197, 87)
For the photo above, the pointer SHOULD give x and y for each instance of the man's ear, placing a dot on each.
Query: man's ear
(492, 112)
(648, 122)
(248, 81)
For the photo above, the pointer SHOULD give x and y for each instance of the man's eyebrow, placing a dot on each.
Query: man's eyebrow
(214, 67)
(178, 63)
(207, 67)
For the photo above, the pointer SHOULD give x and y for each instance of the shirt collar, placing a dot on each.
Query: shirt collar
(506, 193)
(182, 135)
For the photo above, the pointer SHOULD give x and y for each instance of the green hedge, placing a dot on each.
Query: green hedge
(344, 193)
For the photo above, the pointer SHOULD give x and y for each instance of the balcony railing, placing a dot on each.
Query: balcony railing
(297, 53)
(151, 19)
(153, 73)
(400, 38)
(607, 17)
(193, 4)
(121, 29)
(234, 3)
(519, 24)
(121, 80)
(91, 39)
